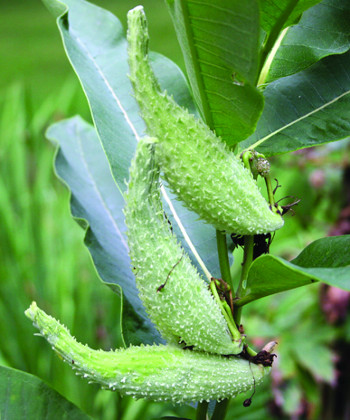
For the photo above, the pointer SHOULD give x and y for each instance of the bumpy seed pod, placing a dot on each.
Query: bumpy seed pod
(160, 373)
(176, 298)
(197, 165)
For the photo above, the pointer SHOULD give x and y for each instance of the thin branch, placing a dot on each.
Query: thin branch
(201, 413)
(223, 257)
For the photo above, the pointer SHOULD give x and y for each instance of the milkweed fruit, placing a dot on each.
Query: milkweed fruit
(197, 165)
(184, 310)
(160, 373)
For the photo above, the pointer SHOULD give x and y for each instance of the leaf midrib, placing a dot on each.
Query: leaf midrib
(98, 193)
(259, 142)
(109, 87)
(137, 136)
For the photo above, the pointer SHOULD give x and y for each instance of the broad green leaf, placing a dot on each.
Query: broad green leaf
(56, 8)
(24, 396)
(306, 109)
(326, 260)
(202, 235)
(282, 13)
(96, 47)
(96, 202)
(332, 251)
(95, 44)
(274, 17)
(323, 30)
(220, 41)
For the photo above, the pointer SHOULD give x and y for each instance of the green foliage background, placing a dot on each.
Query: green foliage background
(31, 49)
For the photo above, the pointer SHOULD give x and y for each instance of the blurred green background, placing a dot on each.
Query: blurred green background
(43, 257)
(31, 50)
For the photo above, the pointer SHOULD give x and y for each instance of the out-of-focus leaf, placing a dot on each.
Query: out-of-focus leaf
(292, 396)
(323, 30)
(314, 356)
(326, 260)
(220, 42)
(306, 109)
(96, 203)
(313, 352)
(259, 408)
(24, 396)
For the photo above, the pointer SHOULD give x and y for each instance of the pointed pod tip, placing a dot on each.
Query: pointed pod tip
(136, 15)
(31, 311)
(137, 9)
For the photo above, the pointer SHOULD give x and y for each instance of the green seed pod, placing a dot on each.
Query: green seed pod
(176, 298)
(198, 166)
(160, 373)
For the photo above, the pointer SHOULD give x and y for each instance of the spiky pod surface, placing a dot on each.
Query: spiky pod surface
(184, 310)
(198, 166)
(160, 373)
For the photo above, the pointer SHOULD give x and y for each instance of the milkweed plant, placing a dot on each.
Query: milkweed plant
(177, 172)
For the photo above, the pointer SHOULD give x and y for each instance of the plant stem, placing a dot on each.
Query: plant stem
(247, 260)
(118, 407)
(202, 408)
(274, 207)
(226, 276)
(220, 410)
(269, 59)
(223, 257)
(236, 335)
(270, 192)
(246, 156)
(244, 300)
